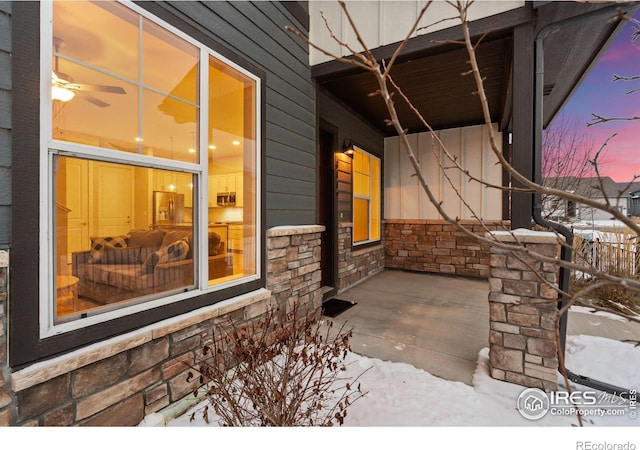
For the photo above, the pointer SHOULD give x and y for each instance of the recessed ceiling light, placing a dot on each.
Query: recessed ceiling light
(236, 142)
(192, 150)
(139, 139)
(212, 147)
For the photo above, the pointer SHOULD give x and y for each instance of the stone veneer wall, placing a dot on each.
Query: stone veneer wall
(356, 264)
(120, 381)
(523, 312)
(437, 246)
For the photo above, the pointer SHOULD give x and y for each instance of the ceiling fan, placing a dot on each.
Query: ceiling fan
(64, 88)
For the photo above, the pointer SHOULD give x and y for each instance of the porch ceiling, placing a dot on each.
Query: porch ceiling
(433, 76)
(436, 86)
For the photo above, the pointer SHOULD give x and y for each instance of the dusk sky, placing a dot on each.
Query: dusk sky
(598, 94)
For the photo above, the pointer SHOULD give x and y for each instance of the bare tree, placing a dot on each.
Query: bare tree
(386, 90)
(390, 92)
(567, 154)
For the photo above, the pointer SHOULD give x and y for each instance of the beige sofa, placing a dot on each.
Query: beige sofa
(143, 262)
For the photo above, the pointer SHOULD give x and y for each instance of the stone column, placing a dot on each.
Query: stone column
(293, 264)
(523, 311)
(5, 398)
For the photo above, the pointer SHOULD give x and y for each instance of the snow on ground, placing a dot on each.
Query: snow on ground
(589, 310)
(400, 395)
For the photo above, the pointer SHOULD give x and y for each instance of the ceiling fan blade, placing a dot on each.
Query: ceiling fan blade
(96, 88)
(92, 99)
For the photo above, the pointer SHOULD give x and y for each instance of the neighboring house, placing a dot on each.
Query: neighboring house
(634, 204)
(601, 189)
(632, 192)
(244, 130)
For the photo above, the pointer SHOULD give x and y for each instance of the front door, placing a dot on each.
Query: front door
(326, 207)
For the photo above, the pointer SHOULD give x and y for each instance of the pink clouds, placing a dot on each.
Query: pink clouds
(620, 159)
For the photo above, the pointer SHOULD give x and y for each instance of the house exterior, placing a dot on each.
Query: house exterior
(632, 192)
(634, 204)
(601, 189)
(190, 169)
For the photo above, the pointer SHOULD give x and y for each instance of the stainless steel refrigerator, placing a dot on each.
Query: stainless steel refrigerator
(168, 208)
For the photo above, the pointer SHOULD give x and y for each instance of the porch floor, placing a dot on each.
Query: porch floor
(438, 323)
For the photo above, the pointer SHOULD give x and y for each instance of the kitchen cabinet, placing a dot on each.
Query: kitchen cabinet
(235, 238)
(226, 182)
(162, 180)
(214, 180)
(184, 186)
(174, 182)
(239, 189)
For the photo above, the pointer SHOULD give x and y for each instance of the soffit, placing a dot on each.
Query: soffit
(434, 78)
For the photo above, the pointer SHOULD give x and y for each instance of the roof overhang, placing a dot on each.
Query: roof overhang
(432, 72)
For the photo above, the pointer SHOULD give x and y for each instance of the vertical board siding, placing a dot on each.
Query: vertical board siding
(405, 197)
(472, 149)
(5, 122)
(392, 178)
(255, 32)
(428, 148)
(386, 22)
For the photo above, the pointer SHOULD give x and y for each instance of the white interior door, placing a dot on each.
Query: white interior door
(114, 199)
(77, 201)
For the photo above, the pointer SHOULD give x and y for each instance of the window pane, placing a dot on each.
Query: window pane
(360, 220)
(117, 242)
(169, 128)
(366, 201)
(232, 172)
(170, 64)
(102, 34)
(375, 198)
(103, 119)
(128, 91)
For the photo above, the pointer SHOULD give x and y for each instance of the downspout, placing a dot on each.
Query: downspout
(566, 251)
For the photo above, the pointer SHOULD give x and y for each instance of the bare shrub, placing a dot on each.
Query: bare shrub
(286, 369)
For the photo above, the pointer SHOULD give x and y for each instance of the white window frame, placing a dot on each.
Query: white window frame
(365, 197)
(50, 147)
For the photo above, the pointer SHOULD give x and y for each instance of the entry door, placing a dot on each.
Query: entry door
(113, 195)
(326, 207)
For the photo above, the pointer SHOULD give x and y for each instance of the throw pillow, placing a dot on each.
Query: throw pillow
(100, 245)
(176, 251)
(175, 235)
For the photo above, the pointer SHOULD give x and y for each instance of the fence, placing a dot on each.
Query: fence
(618, 256)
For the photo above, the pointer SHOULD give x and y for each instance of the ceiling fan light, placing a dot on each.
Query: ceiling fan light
(61, 93)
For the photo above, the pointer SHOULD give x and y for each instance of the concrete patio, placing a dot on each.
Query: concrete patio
(438, 323)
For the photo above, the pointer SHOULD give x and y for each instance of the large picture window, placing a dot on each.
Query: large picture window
(152, 161)
(366, 197)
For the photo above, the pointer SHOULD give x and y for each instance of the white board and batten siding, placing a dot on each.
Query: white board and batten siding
(386, 22)
(404, 197)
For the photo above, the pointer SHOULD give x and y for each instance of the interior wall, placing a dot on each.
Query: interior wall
(406, 199)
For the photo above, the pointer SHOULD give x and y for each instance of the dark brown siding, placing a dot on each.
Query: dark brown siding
(349, 127)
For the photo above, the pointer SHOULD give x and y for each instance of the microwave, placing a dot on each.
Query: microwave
(226, 199)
